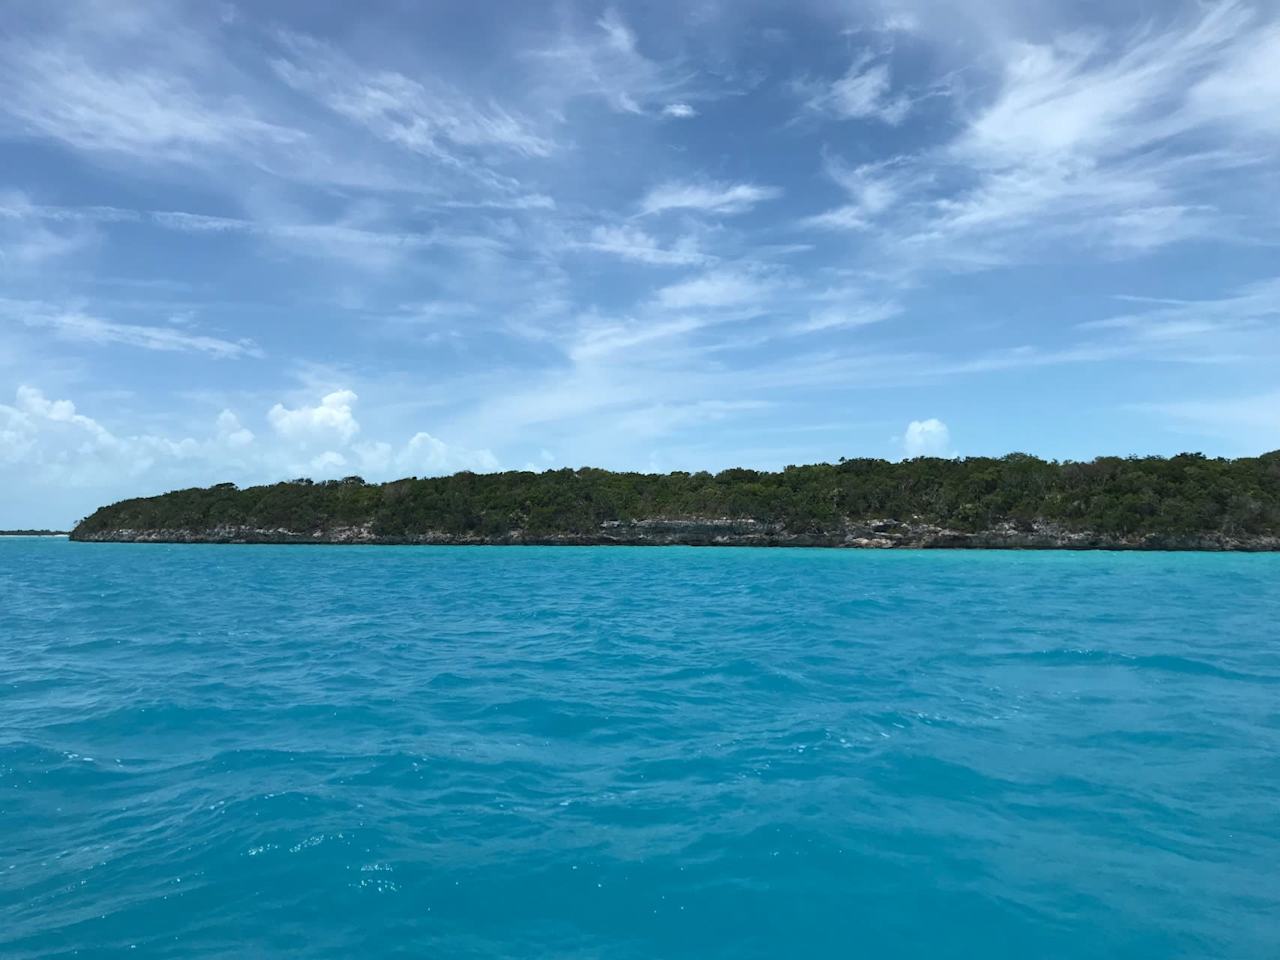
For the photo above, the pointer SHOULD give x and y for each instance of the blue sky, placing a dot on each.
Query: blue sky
(253, 241)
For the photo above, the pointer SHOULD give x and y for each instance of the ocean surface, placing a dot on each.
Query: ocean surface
(261, 751)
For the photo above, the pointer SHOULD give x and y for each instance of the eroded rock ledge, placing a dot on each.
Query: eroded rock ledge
(726, 532)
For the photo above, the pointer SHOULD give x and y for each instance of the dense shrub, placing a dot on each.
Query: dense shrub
(1185, 494)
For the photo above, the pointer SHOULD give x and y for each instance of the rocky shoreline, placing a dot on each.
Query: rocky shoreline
(723, 532)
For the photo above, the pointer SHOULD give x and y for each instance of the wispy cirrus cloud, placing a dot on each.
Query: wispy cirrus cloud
(353, 242)
(58, 91)
(31, 236)
(864, 92)
(375, 248)
(707, 197)
(76, 325)
(1251, 421)
(851, 312)
(720, 288)
(605, 62)
(134, 81)
(872, 188)
(598, 338)
(1103, 138)
(632, 243)
(162, 87)
(1199, 328)
(431, 117)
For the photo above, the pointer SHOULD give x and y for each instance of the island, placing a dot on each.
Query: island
(1185, 502)
(33, 533)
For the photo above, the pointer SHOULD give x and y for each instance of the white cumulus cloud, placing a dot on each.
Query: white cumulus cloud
(231, 432)
(331, 418)
(427, 454)
(927, 438)
(52, 446)
(327, 462)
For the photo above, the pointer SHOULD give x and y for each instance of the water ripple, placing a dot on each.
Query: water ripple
(492, 752)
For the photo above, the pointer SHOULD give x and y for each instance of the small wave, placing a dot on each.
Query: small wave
(1169, 663)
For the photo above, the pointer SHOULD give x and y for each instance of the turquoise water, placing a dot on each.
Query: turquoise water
(586, 753)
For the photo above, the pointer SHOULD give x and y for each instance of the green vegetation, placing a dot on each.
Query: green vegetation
(1111, 496)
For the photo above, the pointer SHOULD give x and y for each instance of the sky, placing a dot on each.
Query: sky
(255, 241)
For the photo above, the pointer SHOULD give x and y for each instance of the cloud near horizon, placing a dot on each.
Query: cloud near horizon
(51, 442)
(927, 438)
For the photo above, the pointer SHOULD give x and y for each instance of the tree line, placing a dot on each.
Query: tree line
(1184, 494)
